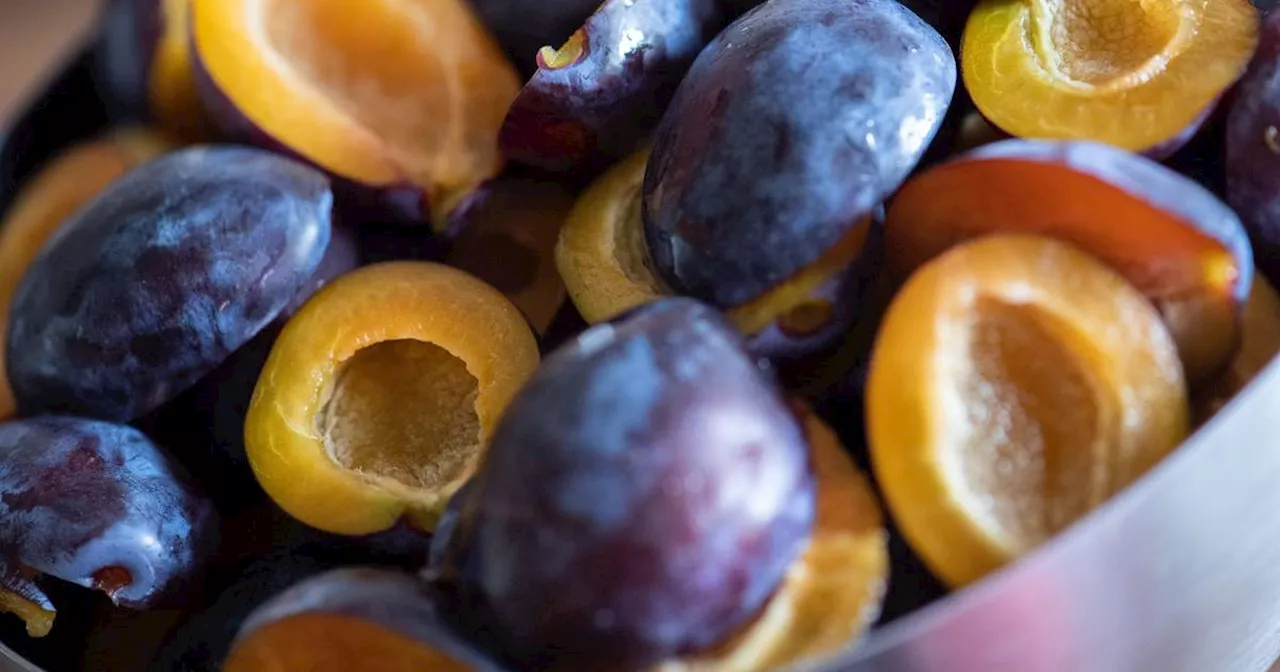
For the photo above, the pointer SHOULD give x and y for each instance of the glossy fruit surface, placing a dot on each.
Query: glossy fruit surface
(1252, 150)
(350, 619)
(1138, 75)
(66, 183)
(98, 505)
(146, 66)
(1017, 384)
(167, 272)
(398, 100)
(598, 97)
(831, 593)
(789, 129)
(643, 495)
(1172, 239)
(381, 393)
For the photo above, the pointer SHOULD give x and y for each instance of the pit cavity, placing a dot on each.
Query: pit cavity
(313, 641)
(1110, 42)
(377, 61)
(406, 411)
(1035, 457)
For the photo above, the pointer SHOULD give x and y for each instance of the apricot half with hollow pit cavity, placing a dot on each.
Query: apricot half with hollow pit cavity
(68, 182)
(401, 100)
(832, 592)
(380, 394)
(1168, 236)
(1142, 76)
(1017, 383)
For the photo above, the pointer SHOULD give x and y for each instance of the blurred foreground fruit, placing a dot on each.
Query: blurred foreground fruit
(644, 495)
(1185, 250)
(1142, 76)
(400, 101)
(63, 186)
(380, 395)
(167, 272)
(98, 505)
(1017, 384)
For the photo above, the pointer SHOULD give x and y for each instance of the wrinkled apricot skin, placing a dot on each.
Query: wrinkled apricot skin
(508, 237)
(66, 183)
(409, 302)
(791, 126)
(408, 150)
(1253, 150)
(354, 618)
(1017, 383)
(597, 98)
(146, 66)
(1140, 76)
(1176, 242)
(831, 593)
(647, 471)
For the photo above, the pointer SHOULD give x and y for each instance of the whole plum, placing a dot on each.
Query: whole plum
(98, 505)
(597, 98)
(153, 284)
(1253, 150)
(643, 495)
(791, 126)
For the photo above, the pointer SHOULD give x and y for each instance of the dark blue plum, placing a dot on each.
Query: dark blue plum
(624, 66)
(643, 495)
(97, 504)
(789, 129)
(158, 280)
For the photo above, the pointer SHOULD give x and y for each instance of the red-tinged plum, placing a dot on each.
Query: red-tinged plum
(353, 619)
(644, 495)
(145, 68)
(1253, 150)
(98, 505)
(170, 270)
(595, 99)
(789, 129)
(523, 27)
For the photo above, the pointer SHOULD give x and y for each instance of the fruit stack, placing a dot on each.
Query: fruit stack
(329, 346)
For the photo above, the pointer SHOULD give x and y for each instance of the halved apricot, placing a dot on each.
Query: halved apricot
(1259, 345)
(1168, 236)
(68, 182)
(832, 592)
(1017, 383)
(604, 261)
(402, 99)
(1138, 75)
(508, 239)
(380, 394)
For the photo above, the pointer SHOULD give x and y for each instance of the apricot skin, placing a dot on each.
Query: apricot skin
(791, 126)
(618, 482)
(600, 107)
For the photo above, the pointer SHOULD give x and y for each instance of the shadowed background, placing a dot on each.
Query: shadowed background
(34, 34)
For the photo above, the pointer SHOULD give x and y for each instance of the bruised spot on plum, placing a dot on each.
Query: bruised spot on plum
(571, 52)
(112, 580)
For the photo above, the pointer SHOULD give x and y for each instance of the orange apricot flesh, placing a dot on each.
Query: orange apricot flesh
(1259, 345)
(380, 394)
(1181, 247)
(173, 97)
(601, 256)
(321, 641)
(1017, 383)
(1136, 75)
(70, 180)
(832, 592)
(386, 94)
